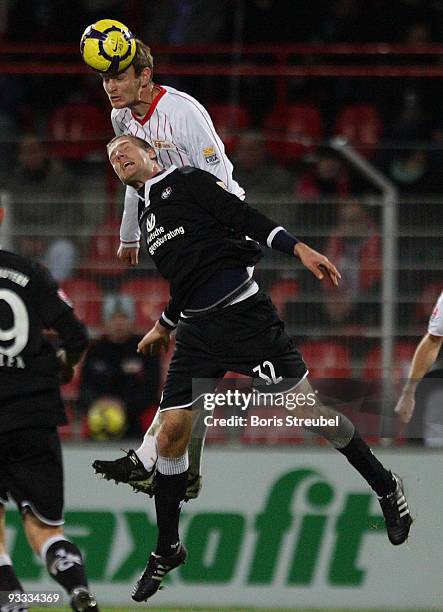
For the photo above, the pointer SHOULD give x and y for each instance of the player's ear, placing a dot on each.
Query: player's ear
(146, 75)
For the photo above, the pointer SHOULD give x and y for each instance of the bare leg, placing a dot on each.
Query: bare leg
(346, 439)
(9, 583)
(339, 436)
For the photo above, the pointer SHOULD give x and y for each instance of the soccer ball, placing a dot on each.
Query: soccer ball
(108, 46)
(107, 419)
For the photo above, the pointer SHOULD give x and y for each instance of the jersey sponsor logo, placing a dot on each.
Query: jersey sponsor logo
(150, 222)
(12, 362)
(210, 156)
(162, 144)
(158, 230)
(177, 231)
(132, 366)
(13, 275)
(166, 193)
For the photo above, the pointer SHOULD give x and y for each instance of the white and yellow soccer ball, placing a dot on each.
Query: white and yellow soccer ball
(107, 419)
(108, 46)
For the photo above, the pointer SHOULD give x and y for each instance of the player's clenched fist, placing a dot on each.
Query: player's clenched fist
(128, 255)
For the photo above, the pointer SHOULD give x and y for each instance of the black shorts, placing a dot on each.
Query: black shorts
(31, 472)
(247, 338)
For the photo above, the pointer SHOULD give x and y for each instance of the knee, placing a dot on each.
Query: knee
(169, 435)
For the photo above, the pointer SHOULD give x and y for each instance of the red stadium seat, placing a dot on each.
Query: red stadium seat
(87, 298)
(165, 359)
(71, 390)
(102, 257)
(282, 292)
(403, 353)
(78, 129)
(326, 359)
(229, 120)
(146, 417)
(372, 371)
(361, 125)
(150, 295)
(293, 131)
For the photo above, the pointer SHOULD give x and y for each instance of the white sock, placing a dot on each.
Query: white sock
(147, 452)
(5, 560)
(170, 466)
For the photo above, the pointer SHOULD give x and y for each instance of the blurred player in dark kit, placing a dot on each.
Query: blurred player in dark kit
(31, 470)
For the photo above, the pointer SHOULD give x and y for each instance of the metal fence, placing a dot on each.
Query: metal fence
(388, 248)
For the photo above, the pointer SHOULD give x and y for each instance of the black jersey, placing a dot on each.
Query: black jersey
(30, 302)
(192, 227)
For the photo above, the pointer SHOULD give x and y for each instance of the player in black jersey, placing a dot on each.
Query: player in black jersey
(195, 232)
(31, 471)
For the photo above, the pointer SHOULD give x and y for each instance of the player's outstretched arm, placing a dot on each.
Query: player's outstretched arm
(158, 337)
(425, 355)
(317, 263)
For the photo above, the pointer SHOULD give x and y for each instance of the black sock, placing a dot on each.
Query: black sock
(169, 494)
(65, 564)
(9, 583)
(361, 457)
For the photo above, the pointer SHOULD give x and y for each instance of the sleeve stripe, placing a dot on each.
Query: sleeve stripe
(168, 321)
(273, 234)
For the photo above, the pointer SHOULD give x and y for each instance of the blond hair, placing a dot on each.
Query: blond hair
(143, 144)
(142, 58)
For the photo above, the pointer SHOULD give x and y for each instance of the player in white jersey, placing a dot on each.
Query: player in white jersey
(173, 122)
(425, 355)
(182, 133)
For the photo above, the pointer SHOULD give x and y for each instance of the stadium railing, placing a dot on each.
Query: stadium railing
(341, 331)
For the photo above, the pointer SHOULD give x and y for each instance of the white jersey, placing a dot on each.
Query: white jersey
(182, 133)
(435, 326)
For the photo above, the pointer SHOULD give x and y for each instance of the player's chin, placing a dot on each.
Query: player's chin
(117, 104)
(129, 173)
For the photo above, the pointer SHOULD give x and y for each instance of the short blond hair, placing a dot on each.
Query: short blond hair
(143, 144)
(142, 58)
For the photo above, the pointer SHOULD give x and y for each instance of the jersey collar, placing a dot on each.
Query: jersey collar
(154, 103)
(156, 179)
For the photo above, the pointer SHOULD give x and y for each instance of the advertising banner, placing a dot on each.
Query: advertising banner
(273, 528)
